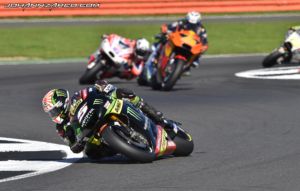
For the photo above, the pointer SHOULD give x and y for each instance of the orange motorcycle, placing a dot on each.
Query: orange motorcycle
(175, 56)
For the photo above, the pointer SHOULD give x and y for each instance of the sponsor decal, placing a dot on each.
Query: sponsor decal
(74, 106)
(278, 73)
(106, 105)
(134, 114)
(82, 112)
(117, 107)
(108, 88)
(21, 158)
(98, 101)
(87, 117)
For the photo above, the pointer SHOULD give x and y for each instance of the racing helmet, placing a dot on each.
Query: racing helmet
(193, 17)
(142, 47)
(56, 104)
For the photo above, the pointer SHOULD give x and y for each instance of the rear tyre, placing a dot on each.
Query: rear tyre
(142, 82)
(141, 79)
(154, 82)
(90, 75)
(121, 143)
(271, 59)
(184, 144)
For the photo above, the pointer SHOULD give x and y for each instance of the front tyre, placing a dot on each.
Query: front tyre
(90, 75)
(271, 59)
(122, 143)
(174, 72)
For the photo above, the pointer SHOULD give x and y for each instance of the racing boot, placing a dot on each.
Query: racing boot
(151, 112)
(171, 127)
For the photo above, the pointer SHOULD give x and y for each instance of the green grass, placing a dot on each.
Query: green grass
(75, 41)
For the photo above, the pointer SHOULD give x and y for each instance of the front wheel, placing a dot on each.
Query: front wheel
(135, 148)
(173, 73)
(271, 59)
(90, 75)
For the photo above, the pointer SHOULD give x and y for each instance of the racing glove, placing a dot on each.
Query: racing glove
(66, 132)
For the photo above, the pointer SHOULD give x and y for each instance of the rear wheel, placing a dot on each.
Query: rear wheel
(141, 78)
(131, 144)
(155, 84)
(271, 59)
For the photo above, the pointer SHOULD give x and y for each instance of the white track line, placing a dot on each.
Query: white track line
(38, 167)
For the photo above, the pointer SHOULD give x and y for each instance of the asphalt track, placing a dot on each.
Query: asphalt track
(246, 131)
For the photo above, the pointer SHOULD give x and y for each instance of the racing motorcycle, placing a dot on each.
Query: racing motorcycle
(144, 79)
(126, 130)
(109, 60)
(289, 52)
(174, 57)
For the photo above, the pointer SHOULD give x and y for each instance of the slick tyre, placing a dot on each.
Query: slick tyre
(271, 59)
(170, 81)
(141, 81)
(122, 144)
(184, 144)
(154, 82)
(90, 75)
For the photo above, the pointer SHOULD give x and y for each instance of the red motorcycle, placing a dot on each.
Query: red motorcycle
(115, 51)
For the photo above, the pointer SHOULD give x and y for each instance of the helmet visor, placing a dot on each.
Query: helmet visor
(141, 53)
(55, 114)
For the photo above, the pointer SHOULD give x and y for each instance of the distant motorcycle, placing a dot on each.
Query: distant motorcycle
(174, 57)
(289, 52)
(109, 60)
(144, 79)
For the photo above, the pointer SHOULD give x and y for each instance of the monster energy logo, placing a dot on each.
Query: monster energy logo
(60, 93)
(97, 102)
(133, 113)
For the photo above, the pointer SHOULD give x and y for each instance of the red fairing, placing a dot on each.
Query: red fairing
(92, 58)
(162, 149)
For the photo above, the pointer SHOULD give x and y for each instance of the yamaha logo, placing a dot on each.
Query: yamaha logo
(25, 158)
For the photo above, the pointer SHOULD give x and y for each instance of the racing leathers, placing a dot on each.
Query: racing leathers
(199, 29)
(70, 131)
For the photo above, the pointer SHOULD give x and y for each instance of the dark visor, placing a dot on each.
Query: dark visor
(55, 112)
(141, 52)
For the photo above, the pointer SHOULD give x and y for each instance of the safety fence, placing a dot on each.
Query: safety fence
(24, 8)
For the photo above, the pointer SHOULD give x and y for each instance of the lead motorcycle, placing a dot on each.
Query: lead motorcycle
(109, 60)
(126, 130)
(174, 57)
(289, 52)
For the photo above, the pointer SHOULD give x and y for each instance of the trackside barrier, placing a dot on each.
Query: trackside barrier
(25, 8)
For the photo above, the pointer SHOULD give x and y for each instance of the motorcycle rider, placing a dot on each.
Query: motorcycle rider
(192, 21)
(296, 53)
(139, 50)
(293, 29)
(61, 108)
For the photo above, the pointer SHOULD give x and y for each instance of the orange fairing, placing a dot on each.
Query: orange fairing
(189, 38)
